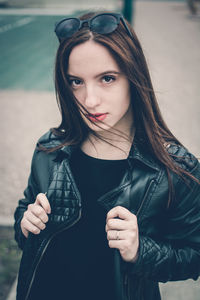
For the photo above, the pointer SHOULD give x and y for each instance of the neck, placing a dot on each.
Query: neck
(110, 145)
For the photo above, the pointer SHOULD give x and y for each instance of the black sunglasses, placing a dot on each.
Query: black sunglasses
(102, 23)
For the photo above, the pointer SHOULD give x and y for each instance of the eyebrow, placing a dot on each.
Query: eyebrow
(99, 75)
(108, 72)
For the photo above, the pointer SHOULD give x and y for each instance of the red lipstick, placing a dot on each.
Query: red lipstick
(96, 117)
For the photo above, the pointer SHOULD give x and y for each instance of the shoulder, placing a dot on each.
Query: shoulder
(43, 160)
(49, 140)
(52, 148)
(42, 156)
(181, 156)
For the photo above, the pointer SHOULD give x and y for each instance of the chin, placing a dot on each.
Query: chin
(99, 129)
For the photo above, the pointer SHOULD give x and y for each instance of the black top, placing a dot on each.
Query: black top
(78, 263)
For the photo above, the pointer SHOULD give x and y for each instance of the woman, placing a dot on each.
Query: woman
(112, 203)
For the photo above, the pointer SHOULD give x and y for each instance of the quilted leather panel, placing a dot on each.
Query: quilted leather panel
(62, 196)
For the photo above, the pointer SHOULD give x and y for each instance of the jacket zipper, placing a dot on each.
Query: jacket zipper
(33, 276)
(126, 278)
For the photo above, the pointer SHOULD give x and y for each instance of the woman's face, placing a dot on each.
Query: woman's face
(99, 85)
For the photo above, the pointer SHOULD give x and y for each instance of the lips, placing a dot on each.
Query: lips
(96, 117)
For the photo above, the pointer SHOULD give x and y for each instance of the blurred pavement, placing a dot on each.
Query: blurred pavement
(68, 5)
(171, 41)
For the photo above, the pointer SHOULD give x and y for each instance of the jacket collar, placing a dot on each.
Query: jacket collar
(136, 152)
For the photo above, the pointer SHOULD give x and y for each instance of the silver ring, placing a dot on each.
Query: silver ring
(117, 236)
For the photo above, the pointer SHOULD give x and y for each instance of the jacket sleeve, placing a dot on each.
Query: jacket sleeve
(30, 194)
(176, 256)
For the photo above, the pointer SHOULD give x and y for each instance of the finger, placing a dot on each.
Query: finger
(42, 200)
(120, 212)
(30, 227)
(114, 235)
(118, 244)
(38, 211)
(25, 232)
(116, 224)
(121, 235)
(34, 220)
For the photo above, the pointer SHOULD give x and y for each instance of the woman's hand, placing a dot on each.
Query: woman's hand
(35, 216)
(122, 232)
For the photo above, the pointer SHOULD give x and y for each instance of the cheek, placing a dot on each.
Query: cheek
(128, 97)
(123, 94)
(79, 94)
(125, 99)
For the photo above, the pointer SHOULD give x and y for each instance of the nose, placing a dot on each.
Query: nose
(92, 97)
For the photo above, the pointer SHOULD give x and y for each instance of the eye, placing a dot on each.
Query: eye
(74, 82)
(108, 78)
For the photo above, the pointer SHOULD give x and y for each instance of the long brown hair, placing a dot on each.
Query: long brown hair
(128, 53)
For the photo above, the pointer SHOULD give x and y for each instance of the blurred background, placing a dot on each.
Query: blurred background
(169, 32)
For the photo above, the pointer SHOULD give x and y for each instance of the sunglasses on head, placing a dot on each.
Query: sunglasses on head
(104, 23)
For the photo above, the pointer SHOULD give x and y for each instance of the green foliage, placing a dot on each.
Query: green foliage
(9, 260)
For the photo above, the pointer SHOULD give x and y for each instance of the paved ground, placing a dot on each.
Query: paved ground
(171, 41)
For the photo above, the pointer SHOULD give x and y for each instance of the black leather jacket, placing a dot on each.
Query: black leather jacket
(169, 237)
